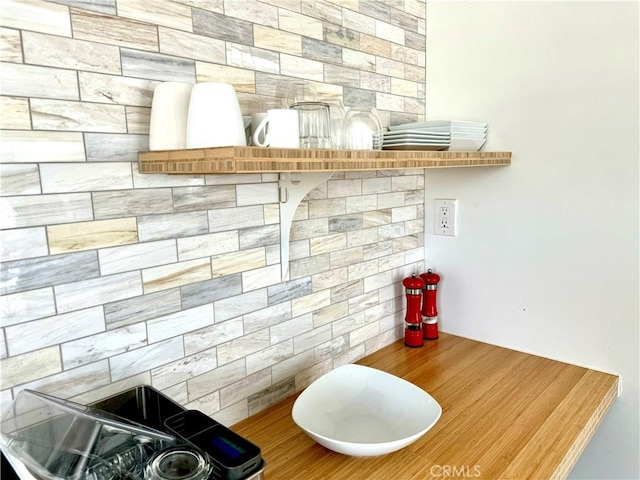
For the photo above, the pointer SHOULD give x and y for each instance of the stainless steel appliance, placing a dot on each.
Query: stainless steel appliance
(134, 435)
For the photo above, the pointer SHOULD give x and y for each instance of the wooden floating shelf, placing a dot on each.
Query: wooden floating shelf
(198, 161)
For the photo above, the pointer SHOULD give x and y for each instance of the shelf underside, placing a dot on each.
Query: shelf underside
(274, 160)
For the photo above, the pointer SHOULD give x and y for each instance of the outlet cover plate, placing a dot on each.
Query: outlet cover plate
(445, 217)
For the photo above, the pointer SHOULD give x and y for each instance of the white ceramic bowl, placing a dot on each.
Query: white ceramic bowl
(362, 411)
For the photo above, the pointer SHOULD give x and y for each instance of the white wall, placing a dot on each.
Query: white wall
(546, 257)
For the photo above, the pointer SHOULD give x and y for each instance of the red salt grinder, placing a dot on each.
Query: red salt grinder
(429, 308)
(413, 318)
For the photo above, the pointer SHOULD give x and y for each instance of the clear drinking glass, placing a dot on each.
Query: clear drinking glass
(361, 129)
(315, 124)
(299, 91)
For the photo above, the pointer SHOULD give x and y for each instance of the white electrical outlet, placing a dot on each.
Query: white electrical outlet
(445, 217)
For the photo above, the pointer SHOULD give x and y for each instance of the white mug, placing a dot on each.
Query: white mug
(214, 119)
(169, 110)
(281, 127)
(256, 118)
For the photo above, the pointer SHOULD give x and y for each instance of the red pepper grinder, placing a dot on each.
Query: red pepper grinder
(429, 308)
(413, 318)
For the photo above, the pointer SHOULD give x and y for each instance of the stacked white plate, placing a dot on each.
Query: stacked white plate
(415, 139)
(463, 135)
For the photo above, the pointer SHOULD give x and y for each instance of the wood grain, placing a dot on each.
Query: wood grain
(506, 415)
(258, 159)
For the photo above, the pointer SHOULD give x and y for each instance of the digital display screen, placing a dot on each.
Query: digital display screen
(228, 447)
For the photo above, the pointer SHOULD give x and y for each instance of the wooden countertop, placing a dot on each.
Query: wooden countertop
(506, 415)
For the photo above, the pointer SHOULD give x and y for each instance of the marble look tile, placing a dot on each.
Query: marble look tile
(102, 345)
(36, 210)
(85, 177)
(257, 194)
(414, 227)
(290, 367)
(260, 278)
(138, 309)
(346, 290)
(394, 230)
(349, 356)
(74, 237)
(19, 179)
(386, 66)
(344, 37)
(409, 56)
(259, 236)
(254, 12)
(404, 87)
(387, 101)
(308, 266)
(374, 81)
(232, 414)
(246, 387)
(190, 248)
(347, 77)
(306, 376)
(266, 317)
(344, 188)
(10, 45)
(25, 306)
(142, 180)
(417, 41)
(243, 346)
(103, 6)
(29, 146)
(362, 61)
(398, 118)
(175, 275)
(243, 80)
(236, 262)
(252, 58)
(37, 16)
(14, 113)
(376, 9)
(328, 279)
(307, 229)
(179, 323)
(77, 116)
(322, 10)
(288, 329)
(213, 335)
(362, 203)
(359, 22)
(391, 200)
(328, 243)
(376, 218)
(112, 30)
(35, 81)
(137, 256)
(208, 404)
(346, 256)
(375, 46)
(156, 66)
(415, 73)
(73, 296)
(189, 45)
(406, 243)
(327, 207)
(73, 382)
(363, 269)
(138, 119)
(127, 203)
(309, 27)
(277, 40)
(390, 262)
(294, 66)
(414, 105)
(209, 291)
(310, 303)
(56, 51)
(269, 356)
(145, 358)
(354, 97)
(211, 5)
(299, 249)
(271, 395)
(30, 366)
(175, 225)
(186, 199)
(376, 185)
(414, 255)
(158, 12)
(320, 50)
(272, 254)
(32, 273)
(311, 339)
(184, 369)
(404, 183)
(384, 339)
(232, 307)
(101, 88)
(401, 214)
(415, 7)
(345, 223)
(362, 237)
(362, 302)
(404, 20)
(390, 32)
(286, 291)
(216, 25)
(111, 389)
(331, 348)
(271, 214)
(115, 147)
(422, 27)
(377, 250)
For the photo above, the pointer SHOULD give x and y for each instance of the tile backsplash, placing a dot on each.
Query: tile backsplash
(111, 278)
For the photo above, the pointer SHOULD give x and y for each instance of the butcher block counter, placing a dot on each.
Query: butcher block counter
(505, 415)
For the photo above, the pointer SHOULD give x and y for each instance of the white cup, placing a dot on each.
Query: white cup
(281, 127)
(256, 118)
(169, 110)
(214, 119)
